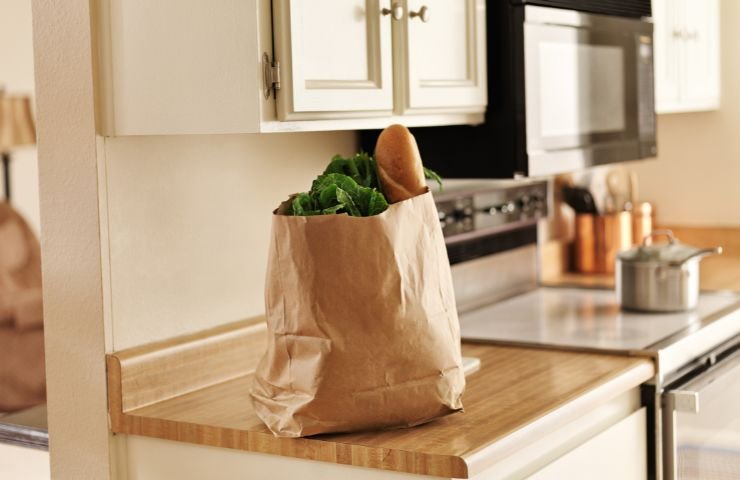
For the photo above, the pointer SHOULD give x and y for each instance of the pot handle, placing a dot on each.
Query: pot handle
(655, 233)
(699, 253)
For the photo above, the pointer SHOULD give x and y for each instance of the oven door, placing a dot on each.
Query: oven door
(701, 421)
(589, 89)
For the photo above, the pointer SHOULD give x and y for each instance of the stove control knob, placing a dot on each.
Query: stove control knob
(509, 207)
(464, 208)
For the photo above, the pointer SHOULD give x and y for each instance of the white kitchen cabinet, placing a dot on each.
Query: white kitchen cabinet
(441, 58)
(181, 66)
(334, 57)
(250, 66)
(687, 66)
(617, 453)
(606, 442)
(701, 72)
(402, 57)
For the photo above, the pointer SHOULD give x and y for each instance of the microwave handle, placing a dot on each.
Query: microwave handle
(687, 399)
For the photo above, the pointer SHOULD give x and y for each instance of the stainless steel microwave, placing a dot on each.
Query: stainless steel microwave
(568, 89)
(588, 89)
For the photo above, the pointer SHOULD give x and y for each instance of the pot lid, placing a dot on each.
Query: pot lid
(673, 252)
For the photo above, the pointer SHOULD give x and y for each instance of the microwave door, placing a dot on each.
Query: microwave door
(581, 97)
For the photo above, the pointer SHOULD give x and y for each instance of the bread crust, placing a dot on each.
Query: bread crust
(400, 170)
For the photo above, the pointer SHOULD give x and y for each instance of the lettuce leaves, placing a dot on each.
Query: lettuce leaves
(361, 168)
(348, 185)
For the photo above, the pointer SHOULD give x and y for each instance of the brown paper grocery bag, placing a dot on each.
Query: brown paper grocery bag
(362, 326)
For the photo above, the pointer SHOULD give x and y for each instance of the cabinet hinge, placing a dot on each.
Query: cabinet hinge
(271, 75)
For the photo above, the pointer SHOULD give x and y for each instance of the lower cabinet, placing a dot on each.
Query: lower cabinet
(617, 453)
(606, 442)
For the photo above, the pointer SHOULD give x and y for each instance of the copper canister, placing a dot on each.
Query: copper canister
(598, 240)
(584, 246)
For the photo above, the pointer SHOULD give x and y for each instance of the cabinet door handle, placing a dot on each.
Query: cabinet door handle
(681, 34)
(396, 11)
(423, 14)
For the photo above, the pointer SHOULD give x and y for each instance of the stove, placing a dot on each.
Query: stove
(591, 319)
(491, 231)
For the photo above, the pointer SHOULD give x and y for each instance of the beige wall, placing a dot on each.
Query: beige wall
(16, 76)
(189, 224)
(696, 178)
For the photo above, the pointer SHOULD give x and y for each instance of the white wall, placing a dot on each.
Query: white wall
(695, 179)
(189, 222)
(16, 75)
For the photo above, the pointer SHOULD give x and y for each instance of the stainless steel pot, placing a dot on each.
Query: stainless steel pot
(660, 277)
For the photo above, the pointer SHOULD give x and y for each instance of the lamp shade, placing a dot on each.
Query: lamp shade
(16, 122)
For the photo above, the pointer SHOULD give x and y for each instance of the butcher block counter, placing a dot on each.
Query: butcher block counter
(196, 389)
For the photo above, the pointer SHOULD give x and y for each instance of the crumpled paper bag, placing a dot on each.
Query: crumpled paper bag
(363, 330)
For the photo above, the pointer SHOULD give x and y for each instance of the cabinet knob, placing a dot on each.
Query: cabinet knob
(423, 14)
(396, 11)
(685, 34)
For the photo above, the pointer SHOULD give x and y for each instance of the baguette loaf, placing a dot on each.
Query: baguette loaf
(400, 170)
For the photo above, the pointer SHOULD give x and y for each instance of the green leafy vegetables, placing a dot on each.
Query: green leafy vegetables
(348, 185)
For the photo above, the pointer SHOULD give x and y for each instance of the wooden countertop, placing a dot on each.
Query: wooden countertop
(516, 397)
(719, 272)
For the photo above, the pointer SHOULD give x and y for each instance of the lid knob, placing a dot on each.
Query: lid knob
(655, 233)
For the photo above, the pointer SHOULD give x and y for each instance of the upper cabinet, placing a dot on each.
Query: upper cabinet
(188, 66)
(335, 58)
(441, 55)
(687, 67)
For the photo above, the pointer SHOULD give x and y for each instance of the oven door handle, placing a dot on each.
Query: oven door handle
(715, 391)
(687, 398)
(686, 401)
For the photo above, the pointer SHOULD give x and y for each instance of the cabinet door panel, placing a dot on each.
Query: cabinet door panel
(179, 66)
(334, 56)
(667, 17)
(700, 82)
(617, 453)
(687, 46)
(446, 55)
